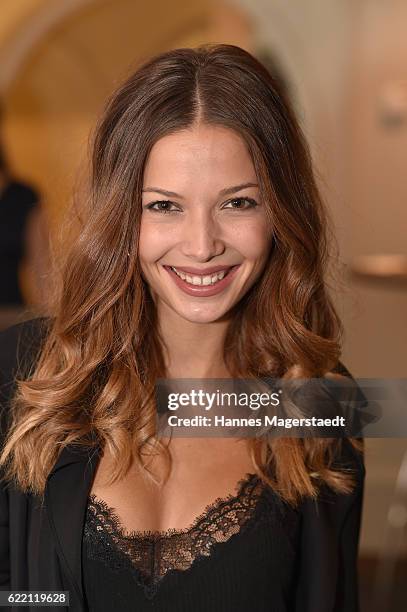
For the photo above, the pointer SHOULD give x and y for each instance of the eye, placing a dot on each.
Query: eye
(238, 204)
(163, 206)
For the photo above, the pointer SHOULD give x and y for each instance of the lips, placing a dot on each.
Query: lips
(203, 290)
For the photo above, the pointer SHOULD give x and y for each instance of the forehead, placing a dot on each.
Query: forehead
(201, 152)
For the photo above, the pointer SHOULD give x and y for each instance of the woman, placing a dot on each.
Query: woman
(202, 256)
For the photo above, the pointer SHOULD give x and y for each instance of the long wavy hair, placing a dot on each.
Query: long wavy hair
(93, 382)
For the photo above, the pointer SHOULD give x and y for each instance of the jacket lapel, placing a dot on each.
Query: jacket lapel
(66, 494)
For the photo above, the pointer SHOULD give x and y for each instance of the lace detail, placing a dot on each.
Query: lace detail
(151, 555)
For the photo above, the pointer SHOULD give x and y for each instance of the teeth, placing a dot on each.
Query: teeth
(200, 280)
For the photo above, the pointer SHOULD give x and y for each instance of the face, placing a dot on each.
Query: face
(204, 237)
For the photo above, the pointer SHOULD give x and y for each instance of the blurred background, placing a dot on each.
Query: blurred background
(344, 64)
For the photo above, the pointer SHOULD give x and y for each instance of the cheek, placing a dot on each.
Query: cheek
(254, 241)
(152, 243)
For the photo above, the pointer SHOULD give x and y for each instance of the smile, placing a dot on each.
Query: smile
(210, 279)
(204, 285)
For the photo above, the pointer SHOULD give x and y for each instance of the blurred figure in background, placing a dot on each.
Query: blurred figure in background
(23, 241)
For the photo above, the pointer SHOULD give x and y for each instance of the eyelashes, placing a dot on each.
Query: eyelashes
(164, 205)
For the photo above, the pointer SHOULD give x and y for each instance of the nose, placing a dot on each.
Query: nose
(201, 238)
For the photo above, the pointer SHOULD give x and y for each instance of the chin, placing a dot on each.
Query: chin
(202, 316)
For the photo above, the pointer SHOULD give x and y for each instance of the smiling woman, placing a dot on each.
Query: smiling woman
(201, 225)
(202, 255)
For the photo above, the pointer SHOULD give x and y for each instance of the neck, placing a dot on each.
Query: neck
(193, 350)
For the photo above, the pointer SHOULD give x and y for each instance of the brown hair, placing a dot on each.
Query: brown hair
(94, 380)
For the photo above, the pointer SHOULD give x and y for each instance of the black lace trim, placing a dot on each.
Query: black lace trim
(151, 555)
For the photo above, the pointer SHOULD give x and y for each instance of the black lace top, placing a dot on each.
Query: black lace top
(238, 555)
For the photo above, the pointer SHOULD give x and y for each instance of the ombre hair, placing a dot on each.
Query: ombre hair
(94, 379)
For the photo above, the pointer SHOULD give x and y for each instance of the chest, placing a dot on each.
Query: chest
(171, 495)
(237, 544)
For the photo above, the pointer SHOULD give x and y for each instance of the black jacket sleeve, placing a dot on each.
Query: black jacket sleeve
(328, 579)
(19, 346)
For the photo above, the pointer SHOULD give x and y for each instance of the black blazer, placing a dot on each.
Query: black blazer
(40, 545)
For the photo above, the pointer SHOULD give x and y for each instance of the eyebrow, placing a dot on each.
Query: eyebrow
(222, 192)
